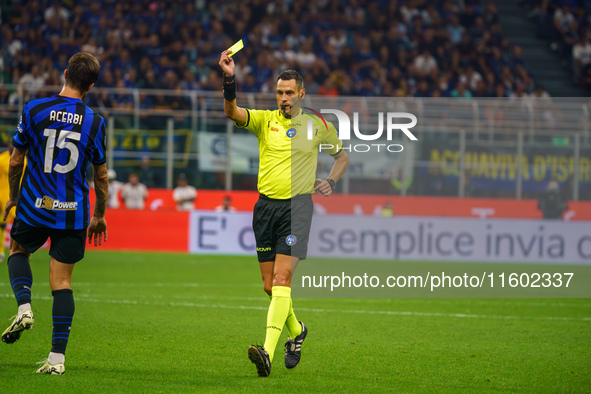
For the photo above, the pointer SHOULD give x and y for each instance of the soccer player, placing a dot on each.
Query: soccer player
(61, 137)
(282, 215)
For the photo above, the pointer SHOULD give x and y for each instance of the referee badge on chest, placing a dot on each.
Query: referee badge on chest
(291, 132)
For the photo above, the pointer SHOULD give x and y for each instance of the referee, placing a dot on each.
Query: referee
(283, 213)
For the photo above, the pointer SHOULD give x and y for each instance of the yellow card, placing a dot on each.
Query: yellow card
(235, 48)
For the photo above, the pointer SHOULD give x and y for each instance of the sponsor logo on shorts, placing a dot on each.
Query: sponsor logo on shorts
(267, 249)
(291, 240)
(55, 205)
(291, 132)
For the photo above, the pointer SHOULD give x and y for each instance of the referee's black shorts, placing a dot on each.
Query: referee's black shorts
(282, 226)
(67, 246)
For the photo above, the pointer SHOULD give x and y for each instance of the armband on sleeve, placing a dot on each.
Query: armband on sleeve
(229, 86)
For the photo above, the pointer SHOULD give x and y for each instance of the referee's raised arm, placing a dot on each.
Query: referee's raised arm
(231, 110)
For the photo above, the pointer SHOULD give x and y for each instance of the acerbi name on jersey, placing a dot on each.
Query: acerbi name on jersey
(65, 117)
(55, 205)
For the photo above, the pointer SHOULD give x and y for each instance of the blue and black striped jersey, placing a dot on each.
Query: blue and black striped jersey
(63, 136)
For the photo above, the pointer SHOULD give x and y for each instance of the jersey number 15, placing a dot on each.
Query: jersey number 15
(61, 144)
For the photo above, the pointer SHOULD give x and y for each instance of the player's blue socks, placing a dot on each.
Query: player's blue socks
(21, 277)
(63, 312)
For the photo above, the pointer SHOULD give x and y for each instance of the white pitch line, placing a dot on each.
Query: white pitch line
(320, 310)
(147, 284)
(477, 301)
(198, 297)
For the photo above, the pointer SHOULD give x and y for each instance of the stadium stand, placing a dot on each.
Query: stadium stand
(159, 65)
(369, 48)
(557, 41)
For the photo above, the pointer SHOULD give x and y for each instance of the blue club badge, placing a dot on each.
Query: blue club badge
(291, 132)
(291, 240)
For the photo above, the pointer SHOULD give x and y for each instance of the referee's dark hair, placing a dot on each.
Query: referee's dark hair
(288, 75)
(83, 70)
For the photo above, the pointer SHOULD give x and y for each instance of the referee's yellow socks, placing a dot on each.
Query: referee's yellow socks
(294, 328)
(276, 317)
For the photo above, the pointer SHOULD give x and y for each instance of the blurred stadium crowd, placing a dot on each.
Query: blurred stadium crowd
(361, 47)
(566, 24)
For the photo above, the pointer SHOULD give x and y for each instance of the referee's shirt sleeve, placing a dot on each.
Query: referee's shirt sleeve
(20, 139)
(331, 137)
(255, 119)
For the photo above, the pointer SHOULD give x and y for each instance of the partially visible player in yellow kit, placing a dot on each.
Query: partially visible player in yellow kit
(288, 156)
(4, 193)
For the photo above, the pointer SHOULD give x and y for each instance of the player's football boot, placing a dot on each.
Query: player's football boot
(261, 360)
(293, 348)
(23, 321)
(51, 369)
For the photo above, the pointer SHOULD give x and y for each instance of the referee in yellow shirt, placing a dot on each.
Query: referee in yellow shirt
(283, 213)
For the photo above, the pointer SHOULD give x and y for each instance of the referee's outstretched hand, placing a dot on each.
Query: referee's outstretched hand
(96, 229)
(323, 187)
(9, 205)
(227, 63)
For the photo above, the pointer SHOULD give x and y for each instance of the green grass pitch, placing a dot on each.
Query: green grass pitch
(155, 322)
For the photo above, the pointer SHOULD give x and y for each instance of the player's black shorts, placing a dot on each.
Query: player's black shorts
(67, 246)
(282, 226)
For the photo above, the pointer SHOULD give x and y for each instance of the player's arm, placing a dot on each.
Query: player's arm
(341, 162)
(180, 199)
(98, 225)
(15, 172)
(190, 198)
(231, 110)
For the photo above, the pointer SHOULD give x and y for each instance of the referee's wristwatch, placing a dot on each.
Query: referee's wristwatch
(331, 183)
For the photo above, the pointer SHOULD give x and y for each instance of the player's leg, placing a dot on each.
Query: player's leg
(257, 354)
(67, 248)
(294, 327)
(24, 240)
(280, 305)
(301, 219)
(276, 282)
(60, 280)
(262, 225)
(21, 280)
(267, 275)
(20, 275)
